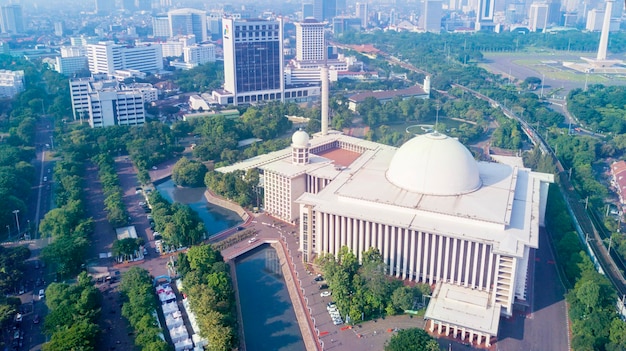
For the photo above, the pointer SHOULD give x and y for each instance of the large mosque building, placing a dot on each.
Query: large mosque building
(435, 214)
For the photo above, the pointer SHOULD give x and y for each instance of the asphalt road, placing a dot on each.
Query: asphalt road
(545, 327)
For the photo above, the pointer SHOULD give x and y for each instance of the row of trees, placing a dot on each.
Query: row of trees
(113, 204)
(73, 315)
(11, 273)
(207, 282)
(179, 225)
(67, 223)
(139, 308)
(364, 291)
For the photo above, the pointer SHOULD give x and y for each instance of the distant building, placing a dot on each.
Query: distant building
(431, 17)
(104, 6)
(310, 40)
(342, 24)
(362, 13)
(68, 66)
(161, 26)
(11, 83)
(83, 40)
(485, 15)
(388, 95)
(199, 54)
(595, 19)
(108, 57)
(188, 21)
(538, 17)
(325, 10)
(11, 20)
(59, 28)
(106, 102)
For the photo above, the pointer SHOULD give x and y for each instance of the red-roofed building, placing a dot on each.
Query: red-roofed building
(618, 170)
(387, 95)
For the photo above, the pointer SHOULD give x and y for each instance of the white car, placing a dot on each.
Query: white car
(42, 294)
(252, 240)
(325, 293)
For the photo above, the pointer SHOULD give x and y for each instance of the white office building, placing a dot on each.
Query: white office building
(310, 41)
(161, 26)
(436, 215)
(108, 57)
(69, 66)
(11, 83)
(105, 102)
(538, 17)
(199, 54)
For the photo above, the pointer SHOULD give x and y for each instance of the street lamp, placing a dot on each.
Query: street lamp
(17, 221)
(9, 231)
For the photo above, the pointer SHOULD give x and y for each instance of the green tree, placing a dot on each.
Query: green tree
(188, 173)
(414, 339)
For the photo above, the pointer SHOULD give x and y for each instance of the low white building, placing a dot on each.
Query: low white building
(199, 54)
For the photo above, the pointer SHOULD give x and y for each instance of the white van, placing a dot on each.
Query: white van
(42, 294)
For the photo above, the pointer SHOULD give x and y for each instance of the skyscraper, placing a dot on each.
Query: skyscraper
(484, 14)
(12, 20)
(188, 21)
(538, 17)
(253, 59)
(432, 16)
(104, 6)
(325, 10)
(362, 13)
(161, 26)
(310, 43)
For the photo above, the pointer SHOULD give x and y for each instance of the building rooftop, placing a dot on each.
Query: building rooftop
(465, 307)
(388, 94)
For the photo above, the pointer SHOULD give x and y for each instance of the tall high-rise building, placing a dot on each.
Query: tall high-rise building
(104, 6)
(59, 28)
(554, 12)
(431, 16)
(325, 10)
(12, 20)
(484, 14)
(538, 17)
(253, 59)
(362, 13)
(161, 26)
(129, 5)
(143, 5)
(188, 21)
(307, 10)
(310, 42)
(108, 57)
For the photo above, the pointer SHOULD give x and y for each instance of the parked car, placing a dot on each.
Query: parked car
(323, 286)
(319, 278)
(36, 319)
(325, 293)
(42, 294)
(252, 240)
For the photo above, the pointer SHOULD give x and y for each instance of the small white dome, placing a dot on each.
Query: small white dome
(434, 164)
(300, 139)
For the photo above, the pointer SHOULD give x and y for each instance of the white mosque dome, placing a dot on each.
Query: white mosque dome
(300, 139)
(434, 164)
